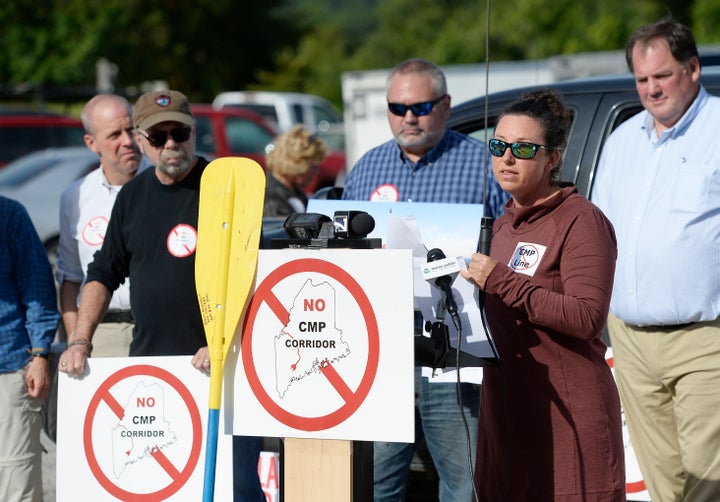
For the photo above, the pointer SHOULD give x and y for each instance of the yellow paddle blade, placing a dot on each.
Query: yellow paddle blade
(232, 191)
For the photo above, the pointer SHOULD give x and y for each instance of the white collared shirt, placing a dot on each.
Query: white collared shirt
(662, 195)
(85, 208)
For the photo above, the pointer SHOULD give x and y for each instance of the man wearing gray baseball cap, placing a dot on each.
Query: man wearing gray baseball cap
(151, 238)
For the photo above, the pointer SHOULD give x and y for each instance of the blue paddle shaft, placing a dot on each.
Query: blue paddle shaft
(211, 454)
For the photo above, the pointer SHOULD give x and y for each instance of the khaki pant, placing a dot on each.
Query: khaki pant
(669, 382)
(20, 449)
(112, 339)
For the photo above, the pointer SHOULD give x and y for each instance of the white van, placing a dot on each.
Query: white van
(285, 109)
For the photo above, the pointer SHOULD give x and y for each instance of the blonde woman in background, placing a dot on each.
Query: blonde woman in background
(291, 165)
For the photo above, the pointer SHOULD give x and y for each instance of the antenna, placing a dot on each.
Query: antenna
(486, 223)
(487, 83)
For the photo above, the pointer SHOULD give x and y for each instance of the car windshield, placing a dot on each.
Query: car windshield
(266, 111)
(246, 136)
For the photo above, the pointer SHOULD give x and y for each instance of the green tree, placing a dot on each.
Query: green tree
(330, 31)
(199, 46)
(206, 46)
(706, 19)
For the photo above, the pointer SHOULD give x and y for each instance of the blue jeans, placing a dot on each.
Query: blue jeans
(438, 421)
(246, 482)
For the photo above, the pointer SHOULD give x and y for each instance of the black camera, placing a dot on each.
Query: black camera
(347, 229)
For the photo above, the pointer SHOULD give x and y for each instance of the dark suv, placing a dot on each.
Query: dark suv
(599, 105)
(22, 132)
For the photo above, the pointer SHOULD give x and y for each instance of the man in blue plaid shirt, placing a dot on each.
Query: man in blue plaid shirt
(427, 162)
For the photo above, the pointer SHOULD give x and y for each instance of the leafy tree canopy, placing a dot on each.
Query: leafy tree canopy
(203, 47)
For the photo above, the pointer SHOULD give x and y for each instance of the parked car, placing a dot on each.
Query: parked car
(599, 105)
(37, 180)
(232, 132)
(236, 131)
(22, 132)
(285, 109)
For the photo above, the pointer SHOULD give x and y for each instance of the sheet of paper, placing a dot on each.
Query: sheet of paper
(420, 227)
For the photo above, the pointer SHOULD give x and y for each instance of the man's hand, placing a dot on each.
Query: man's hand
(201, 360)
(37, 378)
(72, 361)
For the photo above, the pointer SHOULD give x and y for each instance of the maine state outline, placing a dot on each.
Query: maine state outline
(311, 337)
(142, 429)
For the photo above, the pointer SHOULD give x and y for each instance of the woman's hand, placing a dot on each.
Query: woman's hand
(479, 269)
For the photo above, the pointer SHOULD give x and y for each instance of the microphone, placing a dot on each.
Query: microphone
(486, 224)
(353, 224)
(346, 229)
(363, 224)
(445, 281)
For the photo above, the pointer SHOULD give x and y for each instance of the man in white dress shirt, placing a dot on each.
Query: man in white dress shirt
(85, 208)
(659, 183)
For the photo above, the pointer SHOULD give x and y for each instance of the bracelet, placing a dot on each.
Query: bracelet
(81, 341)
(38, 352)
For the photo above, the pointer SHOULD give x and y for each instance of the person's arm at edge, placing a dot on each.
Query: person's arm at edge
(37, 291)
(69, 291)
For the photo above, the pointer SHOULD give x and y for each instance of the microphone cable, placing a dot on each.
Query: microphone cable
(458, 386)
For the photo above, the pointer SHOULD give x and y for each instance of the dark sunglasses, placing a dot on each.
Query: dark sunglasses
(519, 150)
(159, 138)
(418, 109)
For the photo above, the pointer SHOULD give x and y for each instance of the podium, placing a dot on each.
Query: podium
(326, 469)
(319, 364)
(329, 406)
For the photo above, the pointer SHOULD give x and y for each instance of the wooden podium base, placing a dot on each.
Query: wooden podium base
(325, 469)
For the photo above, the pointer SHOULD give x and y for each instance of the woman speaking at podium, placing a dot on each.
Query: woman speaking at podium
(550, 425)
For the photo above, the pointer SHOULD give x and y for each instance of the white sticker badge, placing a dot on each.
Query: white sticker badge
(385, 193)
(526, 258)
(93, 233)
(182, 241)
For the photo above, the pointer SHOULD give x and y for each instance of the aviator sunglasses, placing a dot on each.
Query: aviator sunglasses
(159, 138)
(418, 109)
(519, 150)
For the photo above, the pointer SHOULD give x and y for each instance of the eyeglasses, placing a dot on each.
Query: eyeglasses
(519, 150)
(159, 138)
(418, 109)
